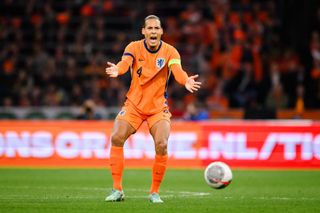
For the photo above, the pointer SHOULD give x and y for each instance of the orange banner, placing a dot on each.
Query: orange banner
(241, 144)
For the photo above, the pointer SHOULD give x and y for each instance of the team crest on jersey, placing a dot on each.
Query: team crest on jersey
(160, 62)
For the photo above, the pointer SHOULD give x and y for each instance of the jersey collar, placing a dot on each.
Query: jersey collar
(151, 51)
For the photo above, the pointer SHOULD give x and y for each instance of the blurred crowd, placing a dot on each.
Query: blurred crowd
(54, 53)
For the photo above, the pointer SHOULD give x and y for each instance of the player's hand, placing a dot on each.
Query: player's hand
(112, 70)
(192, 85)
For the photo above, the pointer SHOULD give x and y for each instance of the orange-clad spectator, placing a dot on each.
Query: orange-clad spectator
(108, 5)
(220, 20)
(248, 18)
(86, 10)
(16, 22)
(63, 18)
(209, 32)
(172, 35)
(191, 14)
(289, 59)
(234, 18)
(36, 19)
(263, 16)
(217, 101)
(189, 98)
(315, 72)
(239, 35)
(299, 106)
(257, 61)
(236, 56)
(8, 66)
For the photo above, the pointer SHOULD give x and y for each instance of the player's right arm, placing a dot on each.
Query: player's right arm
(113, 70)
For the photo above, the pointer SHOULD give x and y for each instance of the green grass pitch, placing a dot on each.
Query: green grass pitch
(84, 190)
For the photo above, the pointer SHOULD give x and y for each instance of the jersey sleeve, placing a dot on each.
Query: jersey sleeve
(174, 65)
(127, 59)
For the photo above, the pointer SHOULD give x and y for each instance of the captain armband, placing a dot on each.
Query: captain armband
(174, 61)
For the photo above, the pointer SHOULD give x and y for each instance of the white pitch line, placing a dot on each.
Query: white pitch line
(174, 193)
(165, 193)
(285, 198)
(273, 198)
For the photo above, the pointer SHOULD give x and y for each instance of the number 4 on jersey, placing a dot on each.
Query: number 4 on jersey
(139, 71)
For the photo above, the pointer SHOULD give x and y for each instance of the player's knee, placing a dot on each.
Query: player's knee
(161, 147)
(117, 139)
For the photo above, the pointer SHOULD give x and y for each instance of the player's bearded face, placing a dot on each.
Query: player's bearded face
(152, 33)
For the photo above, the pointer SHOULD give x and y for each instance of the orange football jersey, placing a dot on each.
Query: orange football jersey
(150, 72)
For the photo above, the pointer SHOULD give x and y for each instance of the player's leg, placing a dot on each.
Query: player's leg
(160, 132)
(121, 131)
(126, 123)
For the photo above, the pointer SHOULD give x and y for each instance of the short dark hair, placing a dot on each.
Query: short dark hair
(150, 17)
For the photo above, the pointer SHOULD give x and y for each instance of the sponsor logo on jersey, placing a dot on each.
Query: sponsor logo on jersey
(160, 62)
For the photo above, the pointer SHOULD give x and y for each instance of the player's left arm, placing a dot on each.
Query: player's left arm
(180, 75)
(182, 78)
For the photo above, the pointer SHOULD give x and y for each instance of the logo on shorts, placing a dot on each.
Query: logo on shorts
(160, 63)
(122, 112)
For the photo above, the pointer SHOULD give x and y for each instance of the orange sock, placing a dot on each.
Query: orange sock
(158, 171)
(117, 165)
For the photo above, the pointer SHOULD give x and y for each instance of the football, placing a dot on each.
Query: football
(218, 175)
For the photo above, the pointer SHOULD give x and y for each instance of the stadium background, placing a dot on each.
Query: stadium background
(257, 59)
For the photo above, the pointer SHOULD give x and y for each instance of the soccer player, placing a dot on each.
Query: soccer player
(151, 62)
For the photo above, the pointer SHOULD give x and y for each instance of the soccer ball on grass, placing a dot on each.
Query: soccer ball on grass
(218, 175)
